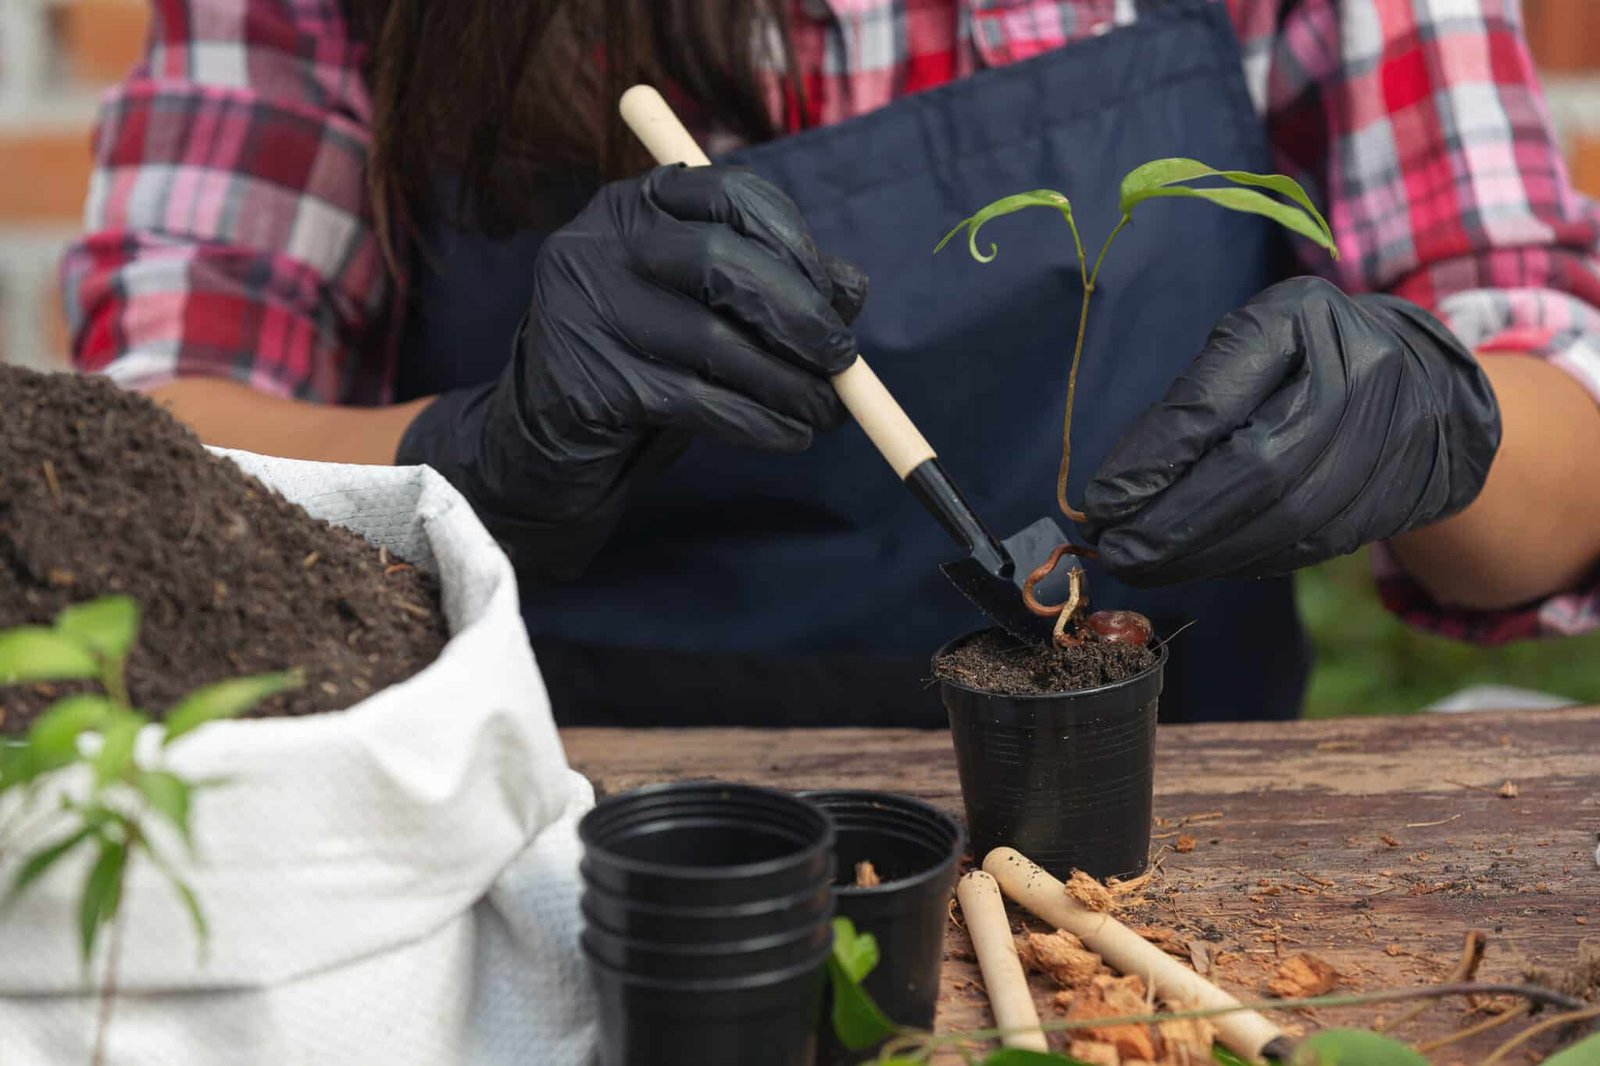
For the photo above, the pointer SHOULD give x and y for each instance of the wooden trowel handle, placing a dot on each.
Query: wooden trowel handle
(894, 435)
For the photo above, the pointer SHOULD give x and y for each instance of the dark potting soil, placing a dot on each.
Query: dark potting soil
(995, 662)
(102, 492)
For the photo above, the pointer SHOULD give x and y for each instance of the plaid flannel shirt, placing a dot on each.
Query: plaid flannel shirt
(228, 231)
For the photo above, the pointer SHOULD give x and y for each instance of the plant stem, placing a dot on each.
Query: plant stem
(114, 683)
(108, 988)
(1430, 1046)
(1534, 1030)
(1090, 279)
(1471, 956)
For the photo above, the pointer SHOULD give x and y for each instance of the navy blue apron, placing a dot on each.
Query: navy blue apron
(745, 588)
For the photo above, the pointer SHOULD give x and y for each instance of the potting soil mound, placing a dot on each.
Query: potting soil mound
(102, 493)
(994, 662)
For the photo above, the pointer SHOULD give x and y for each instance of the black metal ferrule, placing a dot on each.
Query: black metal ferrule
(930, 484)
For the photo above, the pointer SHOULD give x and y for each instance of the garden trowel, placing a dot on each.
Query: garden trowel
(993, 573)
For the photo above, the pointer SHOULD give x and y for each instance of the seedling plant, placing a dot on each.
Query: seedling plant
(84, 749)
(1160, 179)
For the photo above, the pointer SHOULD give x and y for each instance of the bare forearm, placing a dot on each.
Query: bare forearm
(228, 414)
(1535, 529)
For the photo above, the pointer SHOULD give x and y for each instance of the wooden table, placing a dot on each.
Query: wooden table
(1375, 844)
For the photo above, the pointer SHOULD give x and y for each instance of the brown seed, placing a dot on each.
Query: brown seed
(1184, 844)
(1120, 627)
(1508, 791)
(1389, 840)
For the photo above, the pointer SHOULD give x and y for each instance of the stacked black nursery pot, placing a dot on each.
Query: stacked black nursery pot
(707, 910)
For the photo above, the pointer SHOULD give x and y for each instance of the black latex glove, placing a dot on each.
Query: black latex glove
(1310, 424)
(688, 301)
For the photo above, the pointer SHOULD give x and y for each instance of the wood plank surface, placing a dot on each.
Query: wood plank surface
(1375, 844)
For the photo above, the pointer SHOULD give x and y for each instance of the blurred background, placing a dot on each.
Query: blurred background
(56, 55)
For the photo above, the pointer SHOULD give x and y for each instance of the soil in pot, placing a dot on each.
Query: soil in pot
(102, 493)
(993, 661)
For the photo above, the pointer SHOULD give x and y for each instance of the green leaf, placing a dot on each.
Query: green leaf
(118, 736)
(1583, 1053)
(1005, 206)
(1353, 1047)
(102, 893)
(53, 739)
(1226, 1057)
(108, 626)
(856, 953)
(34, 653)
(191, 902)
(13, 757)
(857, 1020)
(1013, 1056)
(1249, 202)
(168, 795)
(1159, 178)
(40, 862)
(226, 699)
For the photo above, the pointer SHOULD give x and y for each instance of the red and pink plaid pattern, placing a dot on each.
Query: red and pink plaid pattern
(228, 230)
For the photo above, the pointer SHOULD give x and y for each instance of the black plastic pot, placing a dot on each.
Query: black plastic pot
(707, 918)
(1067, 778)
(914, 849)
(706, 844)
(631, 919)
(767, 1018)
(710, 961)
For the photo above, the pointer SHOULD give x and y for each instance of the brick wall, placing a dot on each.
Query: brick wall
(55, 55)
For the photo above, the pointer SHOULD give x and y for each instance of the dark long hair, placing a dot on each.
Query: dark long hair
(503, 97)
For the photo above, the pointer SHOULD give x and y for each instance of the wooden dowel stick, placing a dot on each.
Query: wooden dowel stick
(984, 911)
(1025, 882)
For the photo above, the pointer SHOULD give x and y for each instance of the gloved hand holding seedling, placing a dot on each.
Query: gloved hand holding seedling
(1312, 422)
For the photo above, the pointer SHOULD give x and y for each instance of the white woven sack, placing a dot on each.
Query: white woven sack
(389, 885)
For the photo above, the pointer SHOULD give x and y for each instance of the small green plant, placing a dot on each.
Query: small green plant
(859, 1023)
(1160, 179)
(88, 744)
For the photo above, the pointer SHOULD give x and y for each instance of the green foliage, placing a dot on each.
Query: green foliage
(1369, 662)
(1158, 179)
(98, 732)
(1163, 177)
(225, 699)
(1006, 206)
(107, 628)
(1353, 1047)
(33, 653)
(857, 1020)
(1583, 1053)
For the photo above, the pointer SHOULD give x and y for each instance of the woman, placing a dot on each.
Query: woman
(319, 230)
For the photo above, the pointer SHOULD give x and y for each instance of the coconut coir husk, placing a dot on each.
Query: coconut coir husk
(102, 492)
(994, 662)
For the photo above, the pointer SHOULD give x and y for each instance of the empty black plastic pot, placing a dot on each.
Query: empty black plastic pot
(623, 917)
(767, 1018)
(710, 961)
(1066, 778)
(913, 849)
(706, 844)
